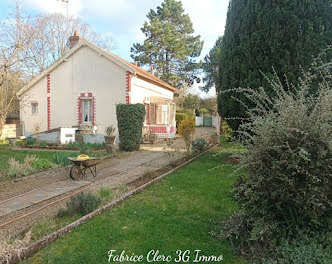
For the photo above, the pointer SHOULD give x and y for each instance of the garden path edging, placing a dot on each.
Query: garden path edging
(36, 246)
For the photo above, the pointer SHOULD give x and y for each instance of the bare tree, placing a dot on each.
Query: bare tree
(28, 45)
(52, 42)
(17, 34)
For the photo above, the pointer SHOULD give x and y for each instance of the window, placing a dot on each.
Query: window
(86, 110)
(34, 108)
(161, 114)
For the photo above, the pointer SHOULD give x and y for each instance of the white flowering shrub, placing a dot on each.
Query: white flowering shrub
(288, 186)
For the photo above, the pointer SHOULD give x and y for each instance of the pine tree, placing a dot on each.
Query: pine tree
(211, 66)
(170, 45)
(261, 35)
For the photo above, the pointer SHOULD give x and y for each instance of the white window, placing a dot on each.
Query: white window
(34, 108)
(161, 114)
(87, 110)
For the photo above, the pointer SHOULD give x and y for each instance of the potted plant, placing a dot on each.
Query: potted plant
(215, 139)
(110, 138)
(12, 141)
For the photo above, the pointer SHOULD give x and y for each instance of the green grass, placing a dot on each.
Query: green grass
(177, 213)
(6, 153)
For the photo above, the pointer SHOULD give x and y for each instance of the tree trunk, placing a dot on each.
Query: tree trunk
(2, 122)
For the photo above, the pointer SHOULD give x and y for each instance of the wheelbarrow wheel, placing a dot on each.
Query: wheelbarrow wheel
(75, 172)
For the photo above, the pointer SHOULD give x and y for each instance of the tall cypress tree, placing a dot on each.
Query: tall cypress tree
(261, 35)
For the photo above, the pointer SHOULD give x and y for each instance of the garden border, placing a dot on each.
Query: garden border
(38, 245)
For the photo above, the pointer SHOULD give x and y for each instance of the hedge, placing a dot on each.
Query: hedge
(130, 121)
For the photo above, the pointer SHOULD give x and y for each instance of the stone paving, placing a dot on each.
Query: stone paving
(39, 195)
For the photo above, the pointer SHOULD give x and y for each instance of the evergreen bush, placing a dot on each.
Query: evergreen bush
(260, 35)
(80, 204)
(130, 122)
(199, 145)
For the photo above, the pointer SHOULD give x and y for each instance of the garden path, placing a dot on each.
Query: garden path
(123, 171)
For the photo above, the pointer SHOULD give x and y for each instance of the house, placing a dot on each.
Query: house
(83, 88)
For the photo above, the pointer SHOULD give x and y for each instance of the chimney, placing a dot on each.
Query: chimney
(73, 40)
(152, 70)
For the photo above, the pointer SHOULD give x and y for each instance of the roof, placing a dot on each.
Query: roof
(146, 75)
(134, 69)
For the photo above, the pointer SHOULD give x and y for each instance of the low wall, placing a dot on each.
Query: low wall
(11, 131)
(199, 120)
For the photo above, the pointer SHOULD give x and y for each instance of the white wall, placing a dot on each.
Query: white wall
(85, 71)
(37, 93)
(199, 120)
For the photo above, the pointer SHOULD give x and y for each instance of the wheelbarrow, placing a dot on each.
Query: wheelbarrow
(80, 166)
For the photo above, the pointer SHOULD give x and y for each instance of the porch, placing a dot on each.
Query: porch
(160, 118)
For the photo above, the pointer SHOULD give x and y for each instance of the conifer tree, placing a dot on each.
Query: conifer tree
(211, 65)
(262, 35)
(170, 45)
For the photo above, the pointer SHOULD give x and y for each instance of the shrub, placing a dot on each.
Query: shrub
(42, 164)
(179, 117)
(17, 169)
(110, 130)
(227, 130)
(303, 251)
(130, 122)
(199, 145)
(42, 144)
(104, 192)
(289, 161)
(10, 250)
(186, 131)
(31, 141)
(80, 204)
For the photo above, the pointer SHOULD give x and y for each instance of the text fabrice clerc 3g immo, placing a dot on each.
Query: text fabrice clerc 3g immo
(181, 256)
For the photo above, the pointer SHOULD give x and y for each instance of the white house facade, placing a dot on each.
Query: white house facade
(84, 87)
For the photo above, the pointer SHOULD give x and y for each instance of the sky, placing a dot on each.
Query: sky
(122, 20)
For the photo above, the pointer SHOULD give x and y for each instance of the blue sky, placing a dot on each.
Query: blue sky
(122, 19)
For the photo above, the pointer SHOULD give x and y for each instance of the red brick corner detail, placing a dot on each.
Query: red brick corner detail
(48, 78)
(48, 113)
(128, 87)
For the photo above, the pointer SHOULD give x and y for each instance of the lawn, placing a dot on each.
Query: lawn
(177, 213)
